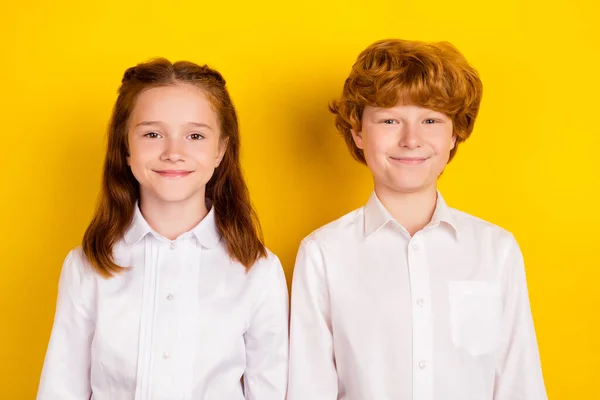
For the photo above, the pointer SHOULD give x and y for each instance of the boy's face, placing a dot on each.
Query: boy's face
(406, 147)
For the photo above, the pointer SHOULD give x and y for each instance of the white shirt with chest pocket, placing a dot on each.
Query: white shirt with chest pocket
(442, 315)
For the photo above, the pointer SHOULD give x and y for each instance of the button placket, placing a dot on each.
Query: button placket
(165, 337)
(422, 317)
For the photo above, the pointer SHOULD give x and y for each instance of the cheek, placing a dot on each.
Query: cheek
(140, 154)
(377, 146)
(443, 148)
(206, 154)
(442, 142)
(138, 168)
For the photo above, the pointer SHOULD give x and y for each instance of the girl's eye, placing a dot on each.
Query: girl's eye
(196, 136)
(152, 135)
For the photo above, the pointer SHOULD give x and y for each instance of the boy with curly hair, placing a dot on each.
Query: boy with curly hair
(406, 297)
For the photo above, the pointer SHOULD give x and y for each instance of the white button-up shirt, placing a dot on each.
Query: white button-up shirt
(442, 315)
(183, 322)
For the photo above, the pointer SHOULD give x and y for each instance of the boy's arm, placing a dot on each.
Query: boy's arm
(312, 372)
(518, 371)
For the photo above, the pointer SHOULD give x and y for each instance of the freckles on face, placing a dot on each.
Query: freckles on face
(174, 141)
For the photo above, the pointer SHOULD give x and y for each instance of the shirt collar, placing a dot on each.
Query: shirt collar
(206, 232)
(443, 214)
(377, 216)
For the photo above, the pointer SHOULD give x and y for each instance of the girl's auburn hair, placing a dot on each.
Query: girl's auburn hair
(236, 220)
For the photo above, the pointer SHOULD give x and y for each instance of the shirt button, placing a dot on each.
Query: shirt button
(166, 355)
(420, 302)
(170, 297)
(423, 364)
(172, 246)
(415, 247)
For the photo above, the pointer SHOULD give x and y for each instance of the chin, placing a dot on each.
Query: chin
(172, 199)
(407, 187)
(171, 196)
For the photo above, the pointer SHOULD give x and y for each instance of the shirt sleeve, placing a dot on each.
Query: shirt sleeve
(313, 373)
(519, 372)
(66, 370)
(266, 340)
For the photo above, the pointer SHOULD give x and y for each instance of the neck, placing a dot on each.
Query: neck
(171, 219)
(411, 210)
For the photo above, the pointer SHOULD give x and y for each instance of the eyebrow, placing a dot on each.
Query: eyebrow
(389, 112)
(200, 125)
(195, 124)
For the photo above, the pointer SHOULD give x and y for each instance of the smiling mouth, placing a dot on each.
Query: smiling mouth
(173, 173)
(410, 160)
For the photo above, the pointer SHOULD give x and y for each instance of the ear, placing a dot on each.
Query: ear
(453, 142)
(221, 151)
(358, 139)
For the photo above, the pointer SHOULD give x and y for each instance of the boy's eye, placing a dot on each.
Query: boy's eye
(390, 121)
(430, 121)
(196, 136)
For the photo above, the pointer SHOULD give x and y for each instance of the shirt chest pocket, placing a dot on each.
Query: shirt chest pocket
(475, 313)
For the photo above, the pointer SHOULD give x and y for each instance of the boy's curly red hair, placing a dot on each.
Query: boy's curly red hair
(393, 71)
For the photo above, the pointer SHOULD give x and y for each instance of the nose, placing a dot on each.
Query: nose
(172, 151)
(410, 136)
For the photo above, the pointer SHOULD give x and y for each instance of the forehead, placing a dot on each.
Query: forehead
(172, 103)
(403, 109)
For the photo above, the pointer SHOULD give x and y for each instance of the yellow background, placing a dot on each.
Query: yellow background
(531, 165)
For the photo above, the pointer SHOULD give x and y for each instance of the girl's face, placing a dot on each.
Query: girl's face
(174, 143)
